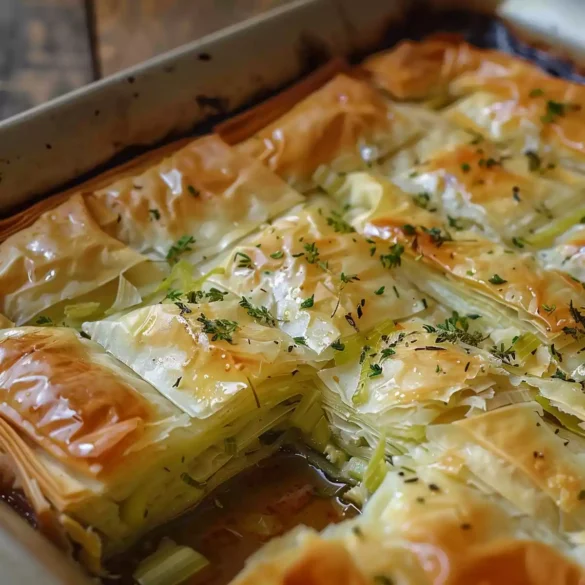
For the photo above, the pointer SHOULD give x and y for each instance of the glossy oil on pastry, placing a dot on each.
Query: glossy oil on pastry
(388, 275)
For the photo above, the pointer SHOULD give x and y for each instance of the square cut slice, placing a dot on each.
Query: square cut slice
(65, 258)
(193, 204)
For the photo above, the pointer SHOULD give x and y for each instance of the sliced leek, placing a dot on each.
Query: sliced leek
(546, 236)
(171, 564)
(377, 468)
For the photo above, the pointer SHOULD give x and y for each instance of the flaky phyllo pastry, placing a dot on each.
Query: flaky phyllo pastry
(387, 268)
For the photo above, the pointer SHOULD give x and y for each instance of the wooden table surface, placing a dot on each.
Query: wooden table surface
(50, 47)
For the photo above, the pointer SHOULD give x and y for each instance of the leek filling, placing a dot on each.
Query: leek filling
(183, 481)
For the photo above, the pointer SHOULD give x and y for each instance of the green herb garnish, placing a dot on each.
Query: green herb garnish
(423, 200)
(506, 355)
(393, 258)
(455, 329)
(182, 245)
(497, 279)
(311, 253)
(44, 320)
(260, 314)
(556, 110)
(437, 236)
(386, 353)
(338, 224)
(219, 329)
(174, 295)
(245, 260)
(338, 346)
(213, 295)
(308, 303)
(348, 278)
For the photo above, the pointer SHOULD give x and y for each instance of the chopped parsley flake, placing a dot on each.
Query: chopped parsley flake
(277, 255)
(380, 291)
(465, 167)
(300, 341)
(375, 370)
(308, 303)
(193, 191)
(518, 242)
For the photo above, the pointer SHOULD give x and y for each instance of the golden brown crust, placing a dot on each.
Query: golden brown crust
(246, 124)
(205, 190)
(516, 435)
(330, 124)
(427, 530)
(525, 285)
(423, 70)
(518, 562)
(63, 255)
(73, 407)
(516, 96)
(26, 217)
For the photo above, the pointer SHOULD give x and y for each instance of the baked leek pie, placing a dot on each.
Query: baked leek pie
(387, 268)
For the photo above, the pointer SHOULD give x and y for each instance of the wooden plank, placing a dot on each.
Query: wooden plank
(131, 31)
(44, 51)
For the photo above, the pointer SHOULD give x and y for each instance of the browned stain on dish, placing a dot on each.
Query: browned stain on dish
(239, 517)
